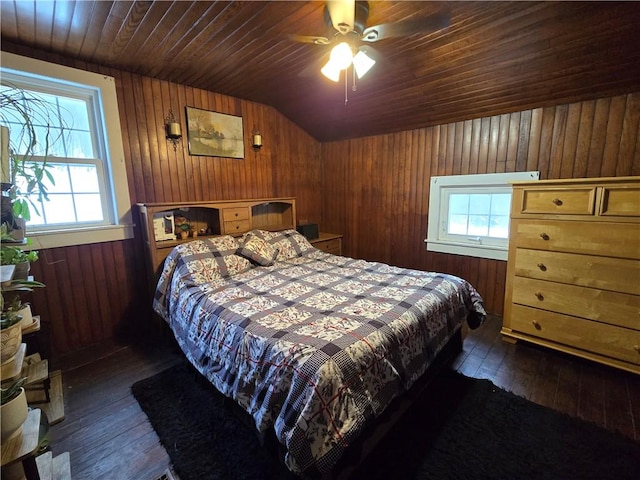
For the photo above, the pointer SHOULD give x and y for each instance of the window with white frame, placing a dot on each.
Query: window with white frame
(88, 200)
(469, 214)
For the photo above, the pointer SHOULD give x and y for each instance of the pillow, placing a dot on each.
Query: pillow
(293, 244)
(290, 243)
(258, 250)
(210, 259)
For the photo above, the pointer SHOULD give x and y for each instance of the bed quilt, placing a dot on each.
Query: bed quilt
(313, 345)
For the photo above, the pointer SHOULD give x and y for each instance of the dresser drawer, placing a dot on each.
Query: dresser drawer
(615, 342)
(333, 246)
(615, 274)
(235, 214)
(559, 201)
(619, 309)
(236, 227)
(620, 200)
(611, 239)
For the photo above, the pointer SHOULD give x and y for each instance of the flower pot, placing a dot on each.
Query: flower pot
(10, 339)
(13, 415)
(22, 271)
(27, 316)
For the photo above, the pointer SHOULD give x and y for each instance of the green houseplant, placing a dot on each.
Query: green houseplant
(12, 391)
(10, 318)
(12, 254)
(13, 408)
(11, 335)
(26, 174)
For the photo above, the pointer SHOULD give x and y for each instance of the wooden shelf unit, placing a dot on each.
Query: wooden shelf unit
(227, 217)
(44, 391)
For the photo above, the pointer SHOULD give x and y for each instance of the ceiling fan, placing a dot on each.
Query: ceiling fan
(349, 18)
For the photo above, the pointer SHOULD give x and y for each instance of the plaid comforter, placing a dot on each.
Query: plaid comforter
(313, 345)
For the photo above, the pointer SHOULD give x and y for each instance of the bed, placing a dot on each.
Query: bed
(313, 346)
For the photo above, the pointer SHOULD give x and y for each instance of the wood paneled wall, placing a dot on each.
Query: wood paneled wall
(373, 190)
(97, 292)
(376, 189)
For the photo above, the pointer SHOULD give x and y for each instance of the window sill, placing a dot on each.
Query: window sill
(481, 251)
(80, 236)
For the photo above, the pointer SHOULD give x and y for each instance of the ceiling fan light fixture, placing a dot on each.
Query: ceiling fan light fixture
(341, 56)
(331, 71)
(362, 63)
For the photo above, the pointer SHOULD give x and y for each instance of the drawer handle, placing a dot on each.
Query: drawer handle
(557, 201)
(539, 296)
(636, 348)
(237, 227)
(236, 214)
(542, 267)
(544, 236)
(536, 325)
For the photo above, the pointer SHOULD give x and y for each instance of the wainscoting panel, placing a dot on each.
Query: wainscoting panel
(376, 189)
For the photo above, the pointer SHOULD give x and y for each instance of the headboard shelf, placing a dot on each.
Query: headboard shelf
(226, 217)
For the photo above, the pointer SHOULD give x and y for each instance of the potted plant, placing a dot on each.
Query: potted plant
(13, 255)
(10, 318)
(23, 309)
(13, 408)
(10, 335)
(26, 175)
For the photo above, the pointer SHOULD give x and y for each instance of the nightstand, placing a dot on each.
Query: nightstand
(328, 243)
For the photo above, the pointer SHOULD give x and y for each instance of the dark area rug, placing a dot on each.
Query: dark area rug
(461, 428)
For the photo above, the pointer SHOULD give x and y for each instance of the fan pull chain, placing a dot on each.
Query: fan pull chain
(353, 87)
(346, 89)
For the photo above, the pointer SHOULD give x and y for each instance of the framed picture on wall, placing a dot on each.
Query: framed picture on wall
(214, 134)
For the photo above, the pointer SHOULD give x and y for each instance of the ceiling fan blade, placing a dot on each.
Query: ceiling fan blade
(310, 39)
(342, 13)
(406, 28)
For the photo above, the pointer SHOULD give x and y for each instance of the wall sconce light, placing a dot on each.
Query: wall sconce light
(256, 140)
(173, 129)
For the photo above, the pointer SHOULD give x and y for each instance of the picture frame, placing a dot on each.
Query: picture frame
(214, 134)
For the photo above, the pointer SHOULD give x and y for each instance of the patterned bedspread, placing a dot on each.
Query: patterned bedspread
(310, 344)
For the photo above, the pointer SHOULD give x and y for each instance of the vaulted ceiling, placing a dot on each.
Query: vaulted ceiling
(494, 57)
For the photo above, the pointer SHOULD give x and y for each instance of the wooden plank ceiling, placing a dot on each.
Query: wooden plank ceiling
(495, 57)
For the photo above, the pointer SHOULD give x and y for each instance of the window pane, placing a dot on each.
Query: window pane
(37, 217)
(84, 178)
(480, 203)
(479, 214)
(60, 175)
(73, 113)
(89, 208)
(59, 209)
(79, 144)
(501, 203)
(459, 203)
(499, 227)
(49, 142)
(478, 225)
(457, 224)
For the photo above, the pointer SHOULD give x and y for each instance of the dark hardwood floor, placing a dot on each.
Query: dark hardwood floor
(109, 437)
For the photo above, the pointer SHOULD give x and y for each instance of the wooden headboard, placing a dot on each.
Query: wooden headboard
(228, 217)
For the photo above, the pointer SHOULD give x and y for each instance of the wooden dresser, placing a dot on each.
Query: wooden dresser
(573, 277)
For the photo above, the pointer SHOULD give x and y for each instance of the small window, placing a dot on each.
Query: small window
(469, 214)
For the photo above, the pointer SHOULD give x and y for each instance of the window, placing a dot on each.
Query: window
(469, 214)
(89, 200)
